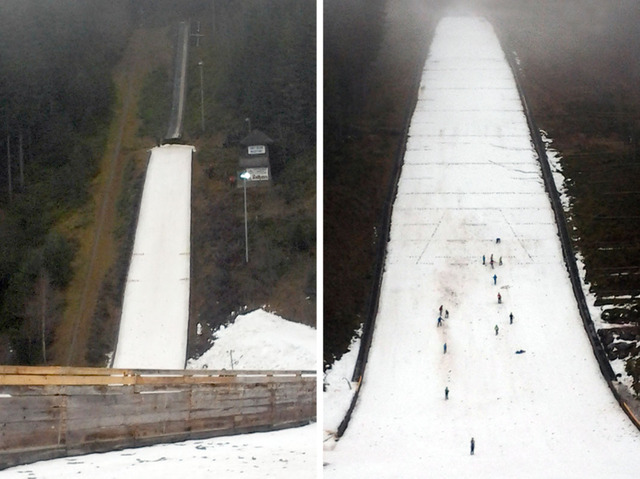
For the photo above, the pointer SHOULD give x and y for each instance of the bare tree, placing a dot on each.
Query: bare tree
(43, 286)
(21, 160)
(9, 184)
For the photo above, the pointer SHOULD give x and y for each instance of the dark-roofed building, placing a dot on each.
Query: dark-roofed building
(254, 159)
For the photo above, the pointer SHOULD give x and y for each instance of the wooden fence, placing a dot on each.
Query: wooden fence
(48, 412)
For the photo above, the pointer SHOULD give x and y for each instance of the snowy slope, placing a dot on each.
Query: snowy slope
(470, 175)
(155, 311)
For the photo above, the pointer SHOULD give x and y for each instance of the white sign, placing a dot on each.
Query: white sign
(258, 174)
(257, 150)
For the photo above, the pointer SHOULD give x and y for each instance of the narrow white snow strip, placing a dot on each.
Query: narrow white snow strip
(530, 393)
(155, 312)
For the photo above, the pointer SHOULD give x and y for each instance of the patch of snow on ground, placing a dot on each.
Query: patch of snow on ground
(260, 340)
(595, 311)
(618, 366)
(286, 454)
(339, 389)
(555, 158)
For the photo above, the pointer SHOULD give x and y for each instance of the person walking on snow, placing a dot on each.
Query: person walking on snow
(445, 348)
(446, 393)
(473, 446)
(439, 321)
(497, 329)
(510, 318)
(494, 279)
(440, 310)
(499, 298)
(446, 313)
(483, 261)
(500, 261)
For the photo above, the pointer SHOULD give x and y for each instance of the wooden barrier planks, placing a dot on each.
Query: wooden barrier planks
(48, 412)
(58, 375)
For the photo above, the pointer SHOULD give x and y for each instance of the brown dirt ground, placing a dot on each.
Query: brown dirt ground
(93, 227)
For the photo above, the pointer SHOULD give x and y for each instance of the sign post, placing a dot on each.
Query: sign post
(201, 65)
(245, 175)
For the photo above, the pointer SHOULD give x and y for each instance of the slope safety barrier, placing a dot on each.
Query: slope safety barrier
(48, 412)
(629, 404)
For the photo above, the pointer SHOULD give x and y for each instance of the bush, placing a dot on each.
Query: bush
(303, 236)
(155, 104)
(56, 259)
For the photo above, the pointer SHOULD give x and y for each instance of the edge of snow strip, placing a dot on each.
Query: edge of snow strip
(618, 389)
(368, 324)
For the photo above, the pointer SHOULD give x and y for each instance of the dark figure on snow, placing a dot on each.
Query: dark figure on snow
(497, 240)
(495, 278)
(483, 260)
(499, 298)
(440, 310)
(439, 321)
(491, 262)
(497, 329)
(445, 348)
(446, 313)
(500, 261)
(446, 393)
(510, 318)
(473, 446)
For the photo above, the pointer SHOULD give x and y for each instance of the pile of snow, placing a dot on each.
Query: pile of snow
(261, 340)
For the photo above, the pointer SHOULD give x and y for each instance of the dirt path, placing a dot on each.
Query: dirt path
(93, 227)
(102, 243)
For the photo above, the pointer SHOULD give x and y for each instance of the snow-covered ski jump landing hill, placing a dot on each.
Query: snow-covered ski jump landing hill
(531, 394)
(155, 311)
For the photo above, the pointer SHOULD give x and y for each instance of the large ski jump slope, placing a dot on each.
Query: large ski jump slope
(470, 175)
(155, 311)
